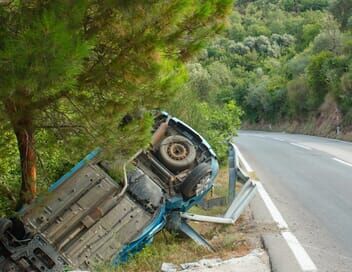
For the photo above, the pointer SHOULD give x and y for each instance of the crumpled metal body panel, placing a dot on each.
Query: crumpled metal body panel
(75, 220)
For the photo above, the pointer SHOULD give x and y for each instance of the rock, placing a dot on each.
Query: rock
(201, 263)
(256, 261)
(169, 267)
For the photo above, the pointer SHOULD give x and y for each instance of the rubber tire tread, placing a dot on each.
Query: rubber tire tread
(200, 171)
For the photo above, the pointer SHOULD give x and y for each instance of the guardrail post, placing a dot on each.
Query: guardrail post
(232, 174)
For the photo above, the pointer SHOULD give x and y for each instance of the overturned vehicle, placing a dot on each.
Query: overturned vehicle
(87, 217)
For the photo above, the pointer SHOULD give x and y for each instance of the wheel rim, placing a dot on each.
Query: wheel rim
(177, 151)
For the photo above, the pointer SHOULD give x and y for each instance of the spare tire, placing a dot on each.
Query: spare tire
(177, 152)
(196, 181)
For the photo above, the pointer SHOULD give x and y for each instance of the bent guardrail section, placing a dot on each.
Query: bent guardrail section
(240, 170)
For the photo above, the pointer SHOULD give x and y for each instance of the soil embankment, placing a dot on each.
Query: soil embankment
(326, 122)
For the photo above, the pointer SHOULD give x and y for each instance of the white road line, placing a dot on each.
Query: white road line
(343, 162)
(276, 215)
(259, 135)
(301, 146)
(302, 257)
(297, 249)
(246, 165)
(279, 139)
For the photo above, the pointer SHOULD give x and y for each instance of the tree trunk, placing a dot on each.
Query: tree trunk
(22, 123)
(25, 140)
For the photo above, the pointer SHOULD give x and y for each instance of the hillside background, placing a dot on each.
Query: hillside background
(286, 63)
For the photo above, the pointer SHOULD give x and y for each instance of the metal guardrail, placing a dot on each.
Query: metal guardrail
(240, 170)
(233, 164)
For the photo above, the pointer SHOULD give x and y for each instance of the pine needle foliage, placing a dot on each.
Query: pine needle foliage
(85, 73)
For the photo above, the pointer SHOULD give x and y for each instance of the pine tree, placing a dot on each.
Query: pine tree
(88, 71)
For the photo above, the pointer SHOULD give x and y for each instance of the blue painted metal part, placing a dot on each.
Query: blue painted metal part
(179, 204)
(78, 166)
(232, 173)
(145, 238)
(195, 236)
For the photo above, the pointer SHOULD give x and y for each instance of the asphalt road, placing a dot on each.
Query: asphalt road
(310, 181)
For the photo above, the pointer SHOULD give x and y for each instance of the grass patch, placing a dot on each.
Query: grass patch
(166, 247)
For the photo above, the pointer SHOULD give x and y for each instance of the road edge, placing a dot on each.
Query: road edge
(281, 257)
(285, 252)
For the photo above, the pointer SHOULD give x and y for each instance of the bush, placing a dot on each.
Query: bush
(317, 77)
(298, 97)
(297, 65)
(258, 102)
(331, 39)
(345, 98)
(9, 172)
(303, 5)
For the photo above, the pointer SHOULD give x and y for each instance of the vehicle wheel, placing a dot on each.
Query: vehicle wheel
(196, 180)
(177, 152)
(5, 225)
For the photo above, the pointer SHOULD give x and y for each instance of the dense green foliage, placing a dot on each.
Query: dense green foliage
(285, 61)
(79, 74)
(197, 106)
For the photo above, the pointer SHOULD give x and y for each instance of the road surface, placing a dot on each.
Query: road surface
(310, 181)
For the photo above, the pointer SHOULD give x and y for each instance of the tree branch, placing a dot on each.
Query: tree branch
(49, 100)
(58, 126)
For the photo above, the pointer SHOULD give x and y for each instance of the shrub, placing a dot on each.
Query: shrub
(298, 97)
(317, 77)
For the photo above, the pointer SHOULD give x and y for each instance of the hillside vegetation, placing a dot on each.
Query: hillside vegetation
(283, 62)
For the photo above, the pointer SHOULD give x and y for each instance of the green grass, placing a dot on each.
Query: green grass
(165, 248)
